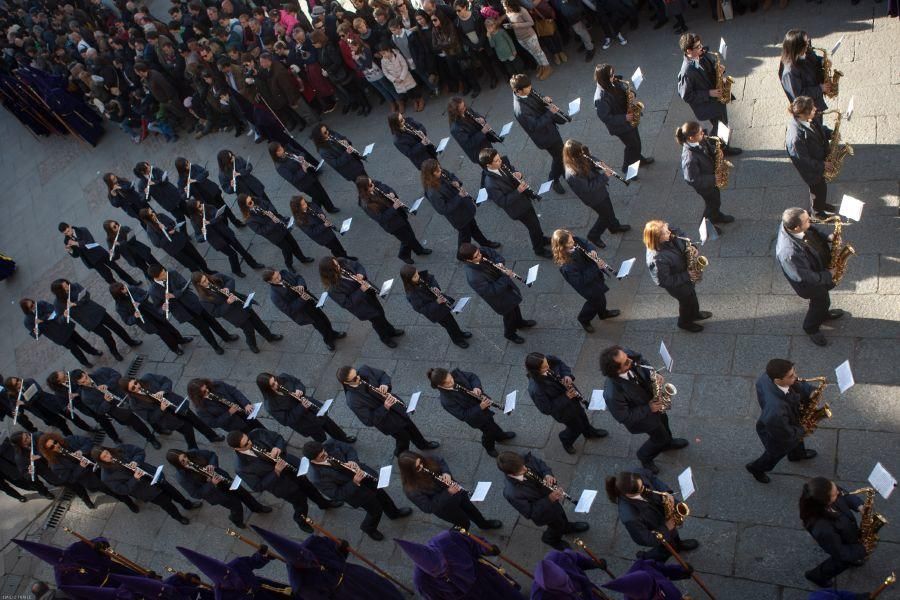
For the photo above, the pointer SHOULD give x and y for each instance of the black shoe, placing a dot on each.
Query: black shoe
(134, 508)
(830, 207)
(432, 445)
(467, 334)
(650, 465)
(264, 510)
(543, 252)
(87, 365)
(240, 274)
(303, 525)
(732, 150)
(193, 505)
(402, 513)
(332, 504)
(155, 443)
(178, 352)
(375, 535)
(596, 432)
(807, 454)
(703, 315)
(506, 435)
(492, 452)
(527, 323)
(118, 356)
(349, 439)
(219, 350)
(620, 229)
(818, 339)
(589, 55)
(389, 343)
(577, 527)
(408, 260)
(757, 475)
(557, 187)
(660, 24)
(461, 343)
(587, 326)
(330, 346)
(561, 545)
(824, 583)
(570, 449)
(692, 327)
(46, 494)
(611, 313)
(22, 499)
(723, 218)
(491, 524)
(397, 333)
(490, 244)
(688, 545)
(425, 252)
(306, 259)
(516, 339)
(275, 337)
(647, 160)
(90, 504)
(135, 343)
(833, 314)
(339, 335)
(253, 348)
(230, 337)
(256, 265)
(187, 339)
(332, 210)
(239, 524)
(677, 444)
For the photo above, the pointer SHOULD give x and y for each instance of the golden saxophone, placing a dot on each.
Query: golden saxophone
(810, 411)
(837, 151)
(870, 521)
(722, 166)
(829, 75)
(695, 262)
(677, 512)
(840, 252)
(635, 107)
(661, 393)
(723, 81)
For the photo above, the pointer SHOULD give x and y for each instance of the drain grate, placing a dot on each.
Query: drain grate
(64, 500)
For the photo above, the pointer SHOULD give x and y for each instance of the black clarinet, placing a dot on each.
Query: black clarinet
(606, 268)
(383, 396)
(195, 468)
(602, 165)
(529, 191)
(535, 478)
(224, 401)
(346, 146)
(437, 478)
(479, 397)
(491, 134)
(216, 289)
(286, 392)
(455, 184)
(337, 464)
(506, 271)
(560, 113)
(436, 291)
(389, 198)
(555, 377)
(262, 453)
(297, 290)
(419, 134)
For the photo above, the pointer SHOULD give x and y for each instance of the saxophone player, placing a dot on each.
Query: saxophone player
(800, 70)
(806, 142)
(803, 252)
(826, 511)
(669, 269)
(697, 84)
(698, 165)
(780, 395)
(611, 102)
(639, 496)
(630, 396)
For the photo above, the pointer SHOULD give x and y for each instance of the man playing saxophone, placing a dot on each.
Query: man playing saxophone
(806, 142)
(781, 396)
(804, 253)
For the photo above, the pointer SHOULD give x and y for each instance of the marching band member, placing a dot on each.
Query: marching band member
(125, 471)
(780, 395)
(469, 129)
(153, 182)
(632, 401)
(171, 238)
(46, 406)
(552, 389)
(590, 182)
(426, 298)
(236, 177)
(352, 482)
(313, 222)
(368, 393)
(221, 405)
(826, 511)
(382, 204)
(265, 221)
(346, 283)
(411, 139)
(803, 252)
(561, 574)
(697, 85)
(698, 165)
(290, 294)
(540, 118)
(42, 320)
(213, 228)
(428, 483)
(531, 489)
(96, 391)
(302, 175)
(286, 402)
(338, 152)
(586, 272)
(21, 468)
(170, 293)
(807, 143)
(56, 386)
(642, 513)
(123, 243)
(77, 240)
(219, 298)
(152, 398)
(800, 70)
(123, 194)
(668, 265)
(262, 461)
(450, 199)
(194, 182)
(73, 301)
(463, 397)
(491, 280)
(212, 483)
(508, 189)
(611, 102)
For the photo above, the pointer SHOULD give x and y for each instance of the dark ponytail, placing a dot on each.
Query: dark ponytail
(437, 376)
(688, 129)
(623, 484)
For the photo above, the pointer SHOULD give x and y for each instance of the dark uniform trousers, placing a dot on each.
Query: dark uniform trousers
(817, 313)
(577, 425)
(408, 241)
(512, 321)
(252, 325)
(712, 200)
(129, 419)
(449, 323)
(332, 429)
(375, 505)
(818, 195)
(299, 497)
(556, 169)
(490, 433)
(659, 440)
(632, 141)
(206, 324)
(77, 345)
(769, 459)
(467, 232)
(235, 501)
(289, 249)
(533, 225)
(406, 435)
(592, 308)
(688, 304)
(105, 271)
(107, 327)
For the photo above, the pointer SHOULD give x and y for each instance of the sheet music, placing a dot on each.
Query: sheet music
(157, 476)
(255, 412)
(532, 275)
(637, 79)
(442, 145)
(666, 357)
(368, 150)
(574, 107)
(413, 402)
(545, 187)
(625, 268)
(844, 376)
(322, 300)
(345, 226)
(851, 208)
(504, 131)
(883, 482)
(325, 406)
(303, 469)
(384, 477)
(415, 207)
(480, 492)
(598, 402)
(585, 501)
(510, 404)
(386, 288)
(460, 304)
(249, 299)
(686, 483)
(235, 483)
(482, 196)
(632, 171)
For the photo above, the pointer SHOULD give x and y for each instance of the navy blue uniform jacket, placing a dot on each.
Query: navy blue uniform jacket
(369, 407)
(583, 274)
(803, 263)
(537, 121)
(425, 302)
(495, 287)
(778, 425)
(530, 498)
(463, 406)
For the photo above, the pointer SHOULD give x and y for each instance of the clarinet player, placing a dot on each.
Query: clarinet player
(630, 396)
(426, 298)
(411, 139)
(290, 294)
(539, 117)
(287, 402)
(589, 179)
(668, 265)
(302, 175)
(382, 204)
(586, 272)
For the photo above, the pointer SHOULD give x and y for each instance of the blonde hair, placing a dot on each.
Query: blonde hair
(558, 243)
(653, 233)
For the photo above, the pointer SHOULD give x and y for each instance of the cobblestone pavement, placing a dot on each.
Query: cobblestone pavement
(752, 545)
